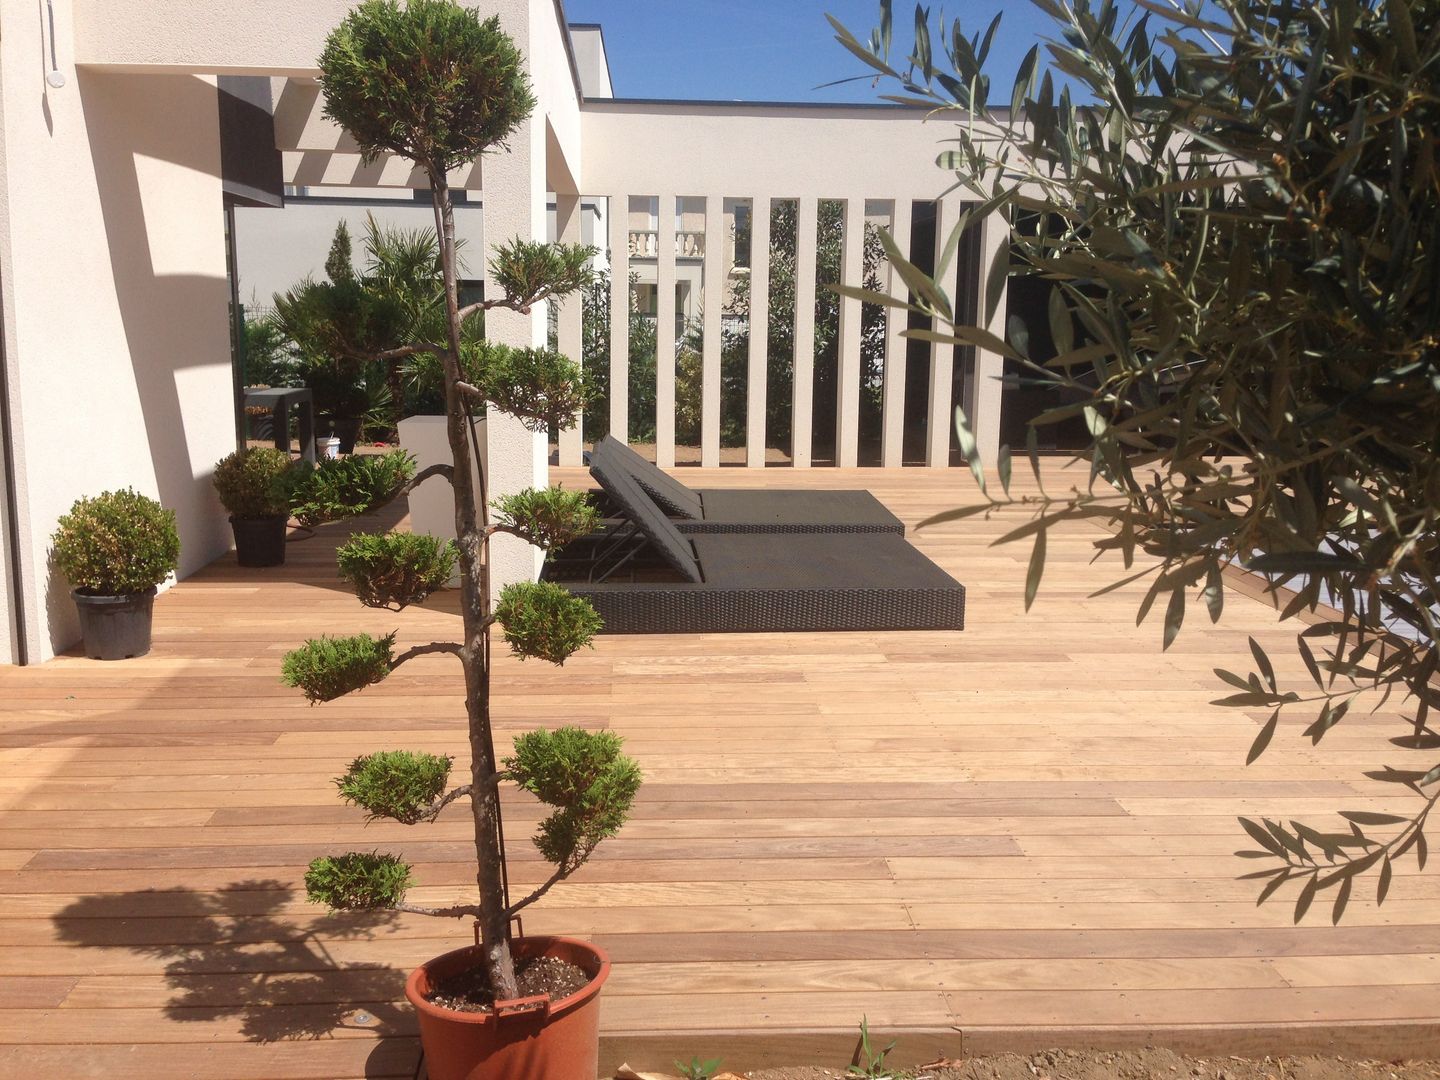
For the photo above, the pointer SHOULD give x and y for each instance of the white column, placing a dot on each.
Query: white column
(893, 402)
(515, 456)
(620, 316)
(847, 376)
(567, 231)
(665, 332)
(942, 357)
(755, 388)
(986, 394)
(711, 315)
(806, 239)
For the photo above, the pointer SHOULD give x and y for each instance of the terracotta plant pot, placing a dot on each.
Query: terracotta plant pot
(259, 541)
(558, 1041)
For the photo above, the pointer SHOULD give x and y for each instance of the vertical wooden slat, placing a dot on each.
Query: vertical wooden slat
(942, 357)
(801, 424)
(893, 403)
(755, 389)
(567, 231)
(665, 331)
(847, 426)
(620, 316)
(986, 394)
(713, 301)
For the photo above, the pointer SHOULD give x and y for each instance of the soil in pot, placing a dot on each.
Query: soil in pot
(468, 991)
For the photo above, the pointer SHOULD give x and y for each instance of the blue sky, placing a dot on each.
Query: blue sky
(770, 50)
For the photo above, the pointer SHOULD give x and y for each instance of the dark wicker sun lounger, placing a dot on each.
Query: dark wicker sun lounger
(731, 510)
(645, 577)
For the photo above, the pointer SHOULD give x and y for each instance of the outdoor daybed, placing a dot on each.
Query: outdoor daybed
(645, 577)
(747, 509)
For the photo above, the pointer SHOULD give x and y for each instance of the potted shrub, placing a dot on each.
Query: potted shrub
(433, 82)
(114, 549)
(254, 484)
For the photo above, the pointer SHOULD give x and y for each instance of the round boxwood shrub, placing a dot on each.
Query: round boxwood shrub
(256, 482)
(116, 543)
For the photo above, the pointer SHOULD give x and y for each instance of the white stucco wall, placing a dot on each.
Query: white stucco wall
(112, 259)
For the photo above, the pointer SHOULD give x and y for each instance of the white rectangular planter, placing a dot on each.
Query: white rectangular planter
(432, 504)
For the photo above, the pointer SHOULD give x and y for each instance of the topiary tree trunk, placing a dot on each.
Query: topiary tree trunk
(433, 82)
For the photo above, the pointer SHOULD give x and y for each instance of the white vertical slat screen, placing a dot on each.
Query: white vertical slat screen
(620, 316)
(989, 366)
(569, 329)
(847, 424)
(665, 332)
(893, 404)
(982, 388)
(801, 424)
(755, 388)
(942, 357)
(713, 301)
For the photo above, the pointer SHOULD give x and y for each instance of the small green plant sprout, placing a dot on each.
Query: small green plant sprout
(546, 517)
(542, 620)
(696, 1069)
(350, 486)
(117, 543)
(395, 570)
(437, 84)
(869, 1062)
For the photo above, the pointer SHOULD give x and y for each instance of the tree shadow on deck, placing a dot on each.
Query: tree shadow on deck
(244, 952)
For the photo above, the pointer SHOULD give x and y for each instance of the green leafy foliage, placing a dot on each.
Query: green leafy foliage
(698, 1069)
(350, 486)
(394, 570)
(116, 543)
(586, 777)
(529, 271)
(544, 621)
(1240, 239)
(871, 1062)
(357, 881)
(428, 80)
(396, 784)
(256, 482)
(326, 668)
(547, 517)
(540, 386)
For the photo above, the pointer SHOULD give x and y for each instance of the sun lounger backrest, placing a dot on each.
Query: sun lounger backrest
(641, 510)
(673, 496)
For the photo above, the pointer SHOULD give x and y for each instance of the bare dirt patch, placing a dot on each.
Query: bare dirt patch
(1137, 1065)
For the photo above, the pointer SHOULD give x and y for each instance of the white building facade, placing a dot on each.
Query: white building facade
(119, 177)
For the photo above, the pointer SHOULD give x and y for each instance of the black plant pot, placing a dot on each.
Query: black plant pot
(115, 627)
(259, 541)
(347, 430)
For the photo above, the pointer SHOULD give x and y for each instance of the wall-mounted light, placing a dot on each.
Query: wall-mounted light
(55, 77)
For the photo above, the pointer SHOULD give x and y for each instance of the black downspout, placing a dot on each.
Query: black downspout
(12, 503)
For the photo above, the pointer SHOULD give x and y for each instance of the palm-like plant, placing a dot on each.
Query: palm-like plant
(434, 83)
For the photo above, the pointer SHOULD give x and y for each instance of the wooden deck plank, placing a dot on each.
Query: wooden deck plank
(1024, 828)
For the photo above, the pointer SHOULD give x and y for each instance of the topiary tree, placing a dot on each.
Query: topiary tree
(1241, 234)
(433, 82)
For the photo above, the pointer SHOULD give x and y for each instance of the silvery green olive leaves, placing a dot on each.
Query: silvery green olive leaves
(1235, 205)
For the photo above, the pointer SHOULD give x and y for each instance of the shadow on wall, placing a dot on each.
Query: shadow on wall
(154, 142)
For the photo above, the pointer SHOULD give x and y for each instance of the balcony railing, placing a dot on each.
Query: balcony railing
(645, 244)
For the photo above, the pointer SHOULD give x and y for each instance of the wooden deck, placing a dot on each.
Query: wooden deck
(1017, 835)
